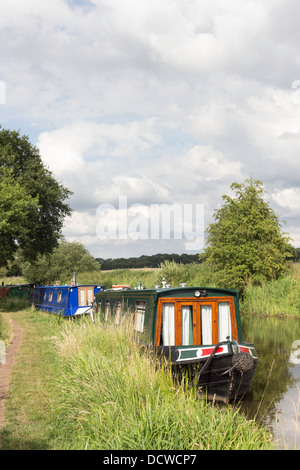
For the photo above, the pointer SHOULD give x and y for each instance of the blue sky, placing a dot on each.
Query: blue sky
(164, 102)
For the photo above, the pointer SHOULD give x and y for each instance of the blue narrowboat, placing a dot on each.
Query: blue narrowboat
(68, 300)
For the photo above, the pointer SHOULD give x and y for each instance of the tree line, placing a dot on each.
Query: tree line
(145, 261)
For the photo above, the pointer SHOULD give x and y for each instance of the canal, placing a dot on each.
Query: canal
(275, 396)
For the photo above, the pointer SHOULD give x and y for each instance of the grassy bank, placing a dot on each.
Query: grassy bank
(79, 385)
(280, 298)
(193, 274)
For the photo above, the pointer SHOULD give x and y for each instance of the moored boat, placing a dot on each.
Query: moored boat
(68, 300)
(194, 328)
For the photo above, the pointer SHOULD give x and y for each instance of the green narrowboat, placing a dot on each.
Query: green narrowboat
(195, 328)
(21, 291)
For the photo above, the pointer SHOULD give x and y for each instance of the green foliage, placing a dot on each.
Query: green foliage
(67, 258)
(31, 201)
(278, 298)
(15, 202)
(192, 274)
(245, 241)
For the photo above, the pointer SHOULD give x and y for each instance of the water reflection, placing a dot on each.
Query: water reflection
(275, 395)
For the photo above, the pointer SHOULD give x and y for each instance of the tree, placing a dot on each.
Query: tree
(245, 242)
(67, 258)
(36, 228)
(14, 203)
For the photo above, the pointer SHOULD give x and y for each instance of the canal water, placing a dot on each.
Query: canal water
(275, 396)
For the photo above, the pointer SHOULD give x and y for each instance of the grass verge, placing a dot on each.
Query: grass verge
(6, 331)
(31, 393)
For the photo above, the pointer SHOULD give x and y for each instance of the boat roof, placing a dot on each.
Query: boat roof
(53, 286)
(160, 290)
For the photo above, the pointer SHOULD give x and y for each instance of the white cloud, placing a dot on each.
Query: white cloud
(288, 198)
(294, 233)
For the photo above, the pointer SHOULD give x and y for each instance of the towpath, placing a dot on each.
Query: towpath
(6, 369)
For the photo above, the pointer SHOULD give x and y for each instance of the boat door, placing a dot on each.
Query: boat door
(85, 296)
(182, 322)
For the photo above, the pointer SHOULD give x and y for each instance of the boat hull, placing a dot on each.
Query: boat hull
(220, 377)
(222, 382)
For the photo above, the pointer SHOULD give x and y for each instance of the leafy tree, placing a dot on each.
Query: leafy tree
(36, 211)
(67, 258)
(14, 204)
(245, 242)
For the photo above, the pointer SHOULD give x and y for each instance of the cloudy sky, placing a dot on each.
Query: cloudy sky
(156, 102)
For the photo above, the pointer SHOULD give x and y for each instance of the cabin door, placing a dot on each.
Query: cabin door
(195, 322)
(85, 296)
(185, 312)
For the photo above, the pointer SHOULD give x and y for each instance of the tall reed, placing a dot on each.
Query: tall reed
(111, 394)
(280, 297)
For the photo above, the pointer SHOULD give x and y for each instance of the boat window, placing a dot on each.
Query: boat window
(106, 310)
(168, 324)
(45, 295)
(90, 296)
(50, 295)
(81, 297)
(140, 308)
(186, 325)
(117, 312)
(59, 296)
(206, 324)
(224, 321)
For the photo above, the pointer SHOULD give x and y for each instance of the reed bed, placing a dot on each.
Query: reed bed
(279, 298)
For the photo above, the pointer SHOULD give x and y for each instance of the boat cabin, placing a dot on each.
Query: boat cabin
(66, 300)
(176, 316)
(21, 291)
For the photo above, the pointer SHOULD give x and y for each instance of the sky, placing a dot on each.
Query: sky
(149, 110)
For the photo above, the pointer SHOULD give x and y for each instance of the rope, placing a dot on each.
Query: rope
(241, 361)
(203, 369)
